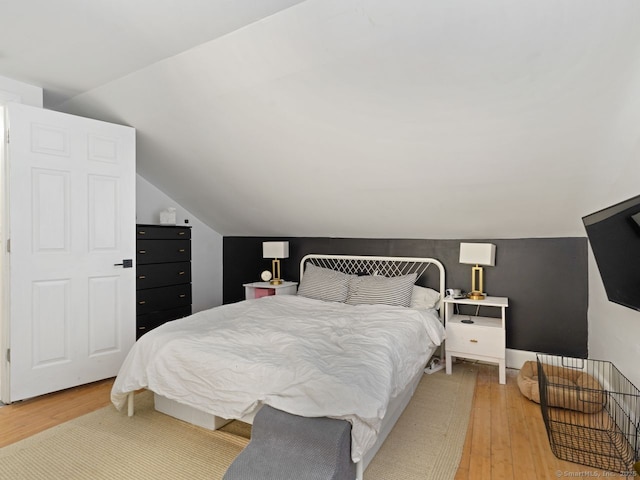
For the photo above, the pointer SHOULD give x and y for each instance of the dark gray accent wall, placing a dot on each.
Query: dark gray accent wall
(546, 279)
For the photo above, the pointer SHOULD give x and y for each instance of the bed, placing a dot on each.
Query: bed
(351, 345)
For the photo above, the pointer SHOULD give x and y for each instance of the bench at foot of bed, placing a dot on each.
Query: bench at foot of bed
(288, 447)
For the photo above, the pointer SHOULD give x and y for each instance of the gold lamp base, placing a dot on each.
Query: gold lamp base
(275, 266)
(476, 293)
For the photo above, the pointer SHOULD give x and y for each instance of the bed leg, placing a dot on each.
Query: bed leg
(130, 404)
(359, 471)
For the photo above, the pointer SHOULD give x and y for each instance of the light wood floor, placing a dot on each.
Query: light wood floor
(506, 438)
(23, 419)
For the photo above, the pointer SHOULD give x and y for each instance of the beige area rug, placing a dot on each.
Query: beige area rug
(425, 444)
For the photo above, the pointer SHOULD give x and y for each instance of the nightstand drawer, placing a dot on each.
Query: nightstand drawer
(485, 341)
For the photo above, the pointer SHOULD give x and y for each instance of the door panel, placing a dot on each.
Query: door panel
(50, 217)
(103, 149)
(104, 199)
(50, 140)
(71, 220)
(103, 315)
(50, 322)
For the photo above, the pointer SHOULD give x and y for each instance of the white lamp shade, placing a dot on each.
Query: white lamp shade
(275, 249)
(478, 254)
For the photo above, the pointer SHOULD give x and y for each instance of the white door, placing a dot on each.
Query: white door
(71, 220)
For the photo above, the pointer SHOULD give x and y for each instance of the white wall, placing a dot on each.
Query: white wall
(206, 244)
(614, 331)
(14, 91)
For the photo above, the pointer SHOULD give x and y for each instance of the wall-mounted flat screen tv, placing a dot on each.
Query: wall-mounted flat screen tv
(614, 235)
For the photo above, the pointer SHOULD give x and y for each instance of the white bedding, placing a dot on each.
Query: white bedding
(306, 357)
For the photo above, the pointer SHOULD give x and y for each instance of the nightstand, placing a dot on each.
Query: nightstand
(484, 339)
(263, 289)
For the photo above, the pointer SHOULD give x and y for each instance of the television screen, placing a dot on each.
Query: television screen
(614, 235)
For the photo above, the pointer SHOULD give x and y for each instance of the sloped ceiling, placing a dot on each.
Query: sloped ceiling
(73, 46)
(407, 119)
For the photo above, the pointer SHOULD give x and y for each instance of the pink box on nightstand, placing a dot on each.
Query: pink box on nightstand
(264, 292)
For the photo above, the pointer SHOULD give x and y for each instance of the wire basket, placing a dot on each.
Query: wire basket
(591, 412)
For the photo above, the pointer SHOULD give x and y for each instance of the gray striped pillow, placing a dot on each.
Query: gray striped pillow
(381, 290)
(324, 284)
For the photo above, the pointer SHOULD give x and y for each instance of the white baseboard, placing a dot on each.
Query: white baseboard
(515, 358)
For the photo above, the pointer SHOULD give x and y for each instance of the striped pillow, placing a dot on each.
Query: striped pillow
(324, 284)
(381, 290)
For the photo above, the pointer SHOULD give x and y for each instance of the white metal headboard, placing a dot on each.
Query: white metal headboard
(371, 265)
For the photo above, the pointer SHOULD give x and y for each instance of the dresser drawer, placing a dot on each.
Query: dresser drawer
(158, 232)
(162, 251)
(149, 321)
(152, 299)
(476, 340)
(162, 274)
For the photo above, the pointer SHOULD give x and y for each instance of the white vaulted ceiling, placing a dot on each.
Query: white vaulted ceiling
(73, 46)
(356, 118)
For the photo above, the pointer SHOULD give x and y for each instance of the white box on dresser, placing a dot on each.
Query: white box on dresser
(484, 339)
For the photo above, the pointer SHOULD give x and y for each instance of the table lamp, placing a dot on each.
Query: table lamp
(276, 251)
(477, 254)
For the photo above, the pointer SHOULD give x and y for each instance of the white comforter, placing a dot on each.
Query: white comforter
(303, 356)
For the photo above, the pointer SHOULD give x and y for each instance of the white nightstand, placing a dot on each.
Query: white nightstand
(484, 339)
(262, 289)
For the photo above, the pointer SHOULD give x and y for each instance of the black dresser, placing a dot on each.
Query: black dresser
(163, 270)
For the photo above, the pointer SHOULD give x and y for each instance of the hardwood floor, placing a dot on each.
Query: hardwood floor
(506, 438)
(23, 419)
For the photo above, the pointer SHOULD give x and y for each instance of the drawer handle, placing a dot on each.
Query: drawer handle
(142, 252)
(473, 340)
(181, 273)
(181, 233)
(142, 232)
(142, 277)
(182, 295)
(142, 302)
(181, 250)
(142, 328)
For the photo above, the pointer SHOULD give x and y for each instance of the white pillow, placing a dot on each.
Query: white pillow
(324, 284)
(375, 289)
(423, 297)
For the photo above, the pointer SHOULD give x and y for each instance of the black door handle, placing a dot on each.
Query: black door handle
(126, 263)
